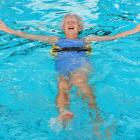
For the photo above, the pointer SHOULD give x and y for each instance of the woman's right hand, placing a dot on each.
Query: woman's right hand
(4, 27)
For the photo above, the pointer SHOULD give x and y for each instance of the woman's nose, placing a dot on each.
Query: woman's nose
(70, 22)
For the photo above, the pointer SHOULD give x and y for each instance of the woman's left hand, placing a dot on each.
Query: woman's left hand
(137, 28)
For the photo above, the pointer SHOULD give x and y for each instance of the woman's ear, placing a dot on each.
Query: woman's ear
(80, 29)
(62, 27)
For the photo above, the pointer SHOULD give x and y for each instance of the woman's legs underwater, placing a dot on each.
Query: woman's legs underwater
(63, 99)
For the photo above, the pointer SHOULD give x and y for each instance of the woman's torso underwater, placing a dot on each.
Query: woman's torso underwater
(70, 60)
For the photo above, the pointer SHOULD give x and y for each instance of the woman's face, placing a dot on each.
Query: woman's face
(71, 26)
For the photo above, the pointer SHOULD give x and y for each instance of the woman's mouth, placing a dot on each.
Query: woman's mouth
(71, 28)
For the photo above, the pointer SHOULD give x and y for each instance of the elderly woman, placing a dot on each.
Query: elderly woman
(72, 62)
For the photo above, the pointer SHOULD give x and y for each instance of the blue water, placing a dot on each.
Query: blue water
(28, 80)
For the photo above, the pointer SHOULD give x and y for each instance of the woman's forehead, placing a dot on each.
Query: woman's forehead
(70, 18)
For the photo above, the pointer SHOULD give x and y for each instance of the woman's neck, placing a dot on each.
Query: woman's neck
(71, 36)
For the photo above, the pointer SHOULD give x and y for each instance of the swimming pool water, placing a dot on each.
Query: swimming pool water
(28, 80)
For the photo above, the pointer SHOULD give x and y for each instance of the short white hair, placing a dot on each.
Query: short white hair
(79, 19)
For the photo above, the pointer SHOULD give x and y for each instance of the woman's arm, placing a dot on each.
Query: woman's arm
(49, 39)
(106, 38)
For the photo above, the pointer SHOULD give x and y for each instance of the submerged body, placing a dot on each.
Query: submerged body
(73, 68)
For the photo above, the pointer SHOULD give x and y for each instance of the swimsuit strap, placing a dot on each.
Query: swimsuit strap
(56, 49)
(70, 49)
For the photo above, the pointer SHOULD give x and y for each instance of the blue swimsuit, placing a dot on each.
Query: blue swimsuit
(68, 62)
